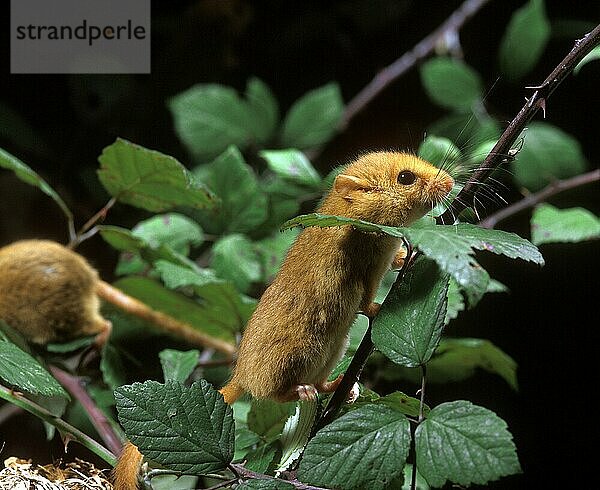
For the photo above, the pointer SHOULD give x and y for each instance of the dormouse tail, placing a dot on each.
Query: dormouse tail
(125, 474)
(231, 392)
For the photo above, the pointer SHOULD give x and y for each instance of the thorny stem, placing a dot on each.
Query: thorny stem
(413, 477)
(497, 156)
(532, 199)
(65, 428)
(74, 385)
(241, 471)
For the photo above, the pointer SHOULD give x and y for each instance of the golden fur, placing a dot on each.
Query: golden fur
(48, 292)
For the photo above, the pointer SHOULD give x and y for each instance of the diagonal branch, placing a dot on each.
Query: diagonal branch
(532, 199)
(399, 67)
(497, 155)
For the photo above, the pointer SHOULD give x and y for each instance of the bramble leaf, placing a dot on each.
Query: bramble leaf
(553, 225)
(593, 55)
(409, 325)
(27, 175)
(209, 117)
(234, 259)
(263, 107)
(524, 39)
(243, 204)
(364, 448)
(313, 118)
(213, 321)
(438, 151)
(548, 154)
(292, 165)
(149, 179)
(267, 418)
(465, 444)
(178, 365)
(19, 369)
(186, 429)
(173, 229)
(451, 83)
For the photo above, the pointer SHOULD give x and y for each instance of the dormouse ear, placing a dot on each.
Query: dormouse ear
(344, 184)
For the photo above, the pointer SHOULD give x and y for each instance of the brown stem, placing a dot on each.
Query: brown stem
(74, 385)
(81, 235)
(532, 199)
(242, 471)
(161, 320)
(399, 67)
(497, 155)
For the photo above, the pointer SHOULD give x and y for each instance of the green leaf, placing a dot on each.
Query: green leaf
(111, 366)
(149, 179)
(186, 429)
(263, 458)
(208, 118)
(173, 229)
(245, 440)
(439, 151)
(27, 175)
(465, 444)
(243, 204)
(178, 365)
(295, 433)
(364, 448)
(313, 119)
(175, 275)
(409, 325)
(222, 305)
(524, 40)
(206, 318)
(456, 302)
(264, 109)
(451, 246)
(547, 155)
(292, 165)
(124, 240)
(267, 418)
(553, 225)
(403, 403)
(457, 359)
(451, 83)
(593, 55)
(19, 369)
(234, 259)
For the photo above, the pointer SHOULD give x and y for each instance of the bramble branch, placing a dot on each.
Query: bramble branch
(531, 200)
(538, 100)
(74, 385)
(65, 428)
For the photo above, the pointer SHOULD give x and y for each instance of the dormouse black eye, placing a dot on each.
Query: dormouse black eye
(406, 178)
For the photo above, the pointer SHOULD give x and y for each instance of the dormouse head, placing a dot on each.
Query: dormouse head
(388, 188)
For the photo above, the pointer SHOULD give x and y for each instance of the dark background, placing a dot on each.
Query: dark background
(548, 321)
